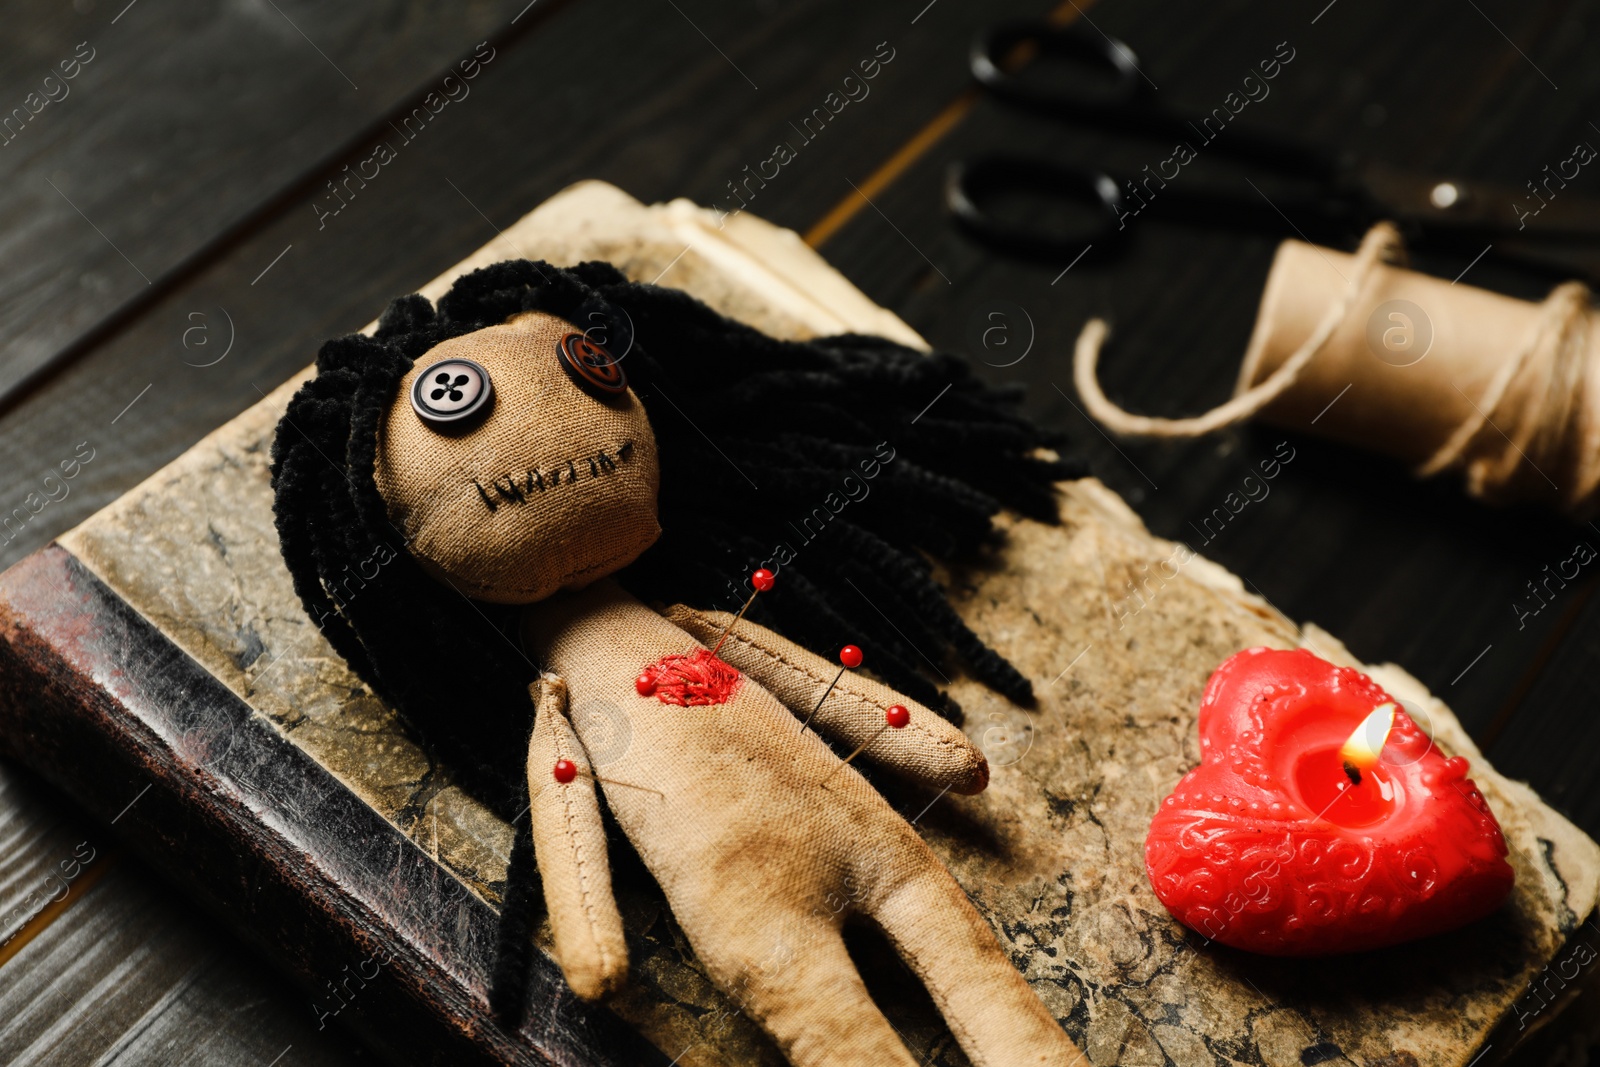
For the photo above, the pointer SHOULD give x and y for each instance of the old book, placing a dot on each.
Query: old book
(160, 645)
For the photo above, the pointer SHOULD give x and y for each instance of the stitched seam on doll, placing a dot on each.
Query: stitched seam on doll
(844, 687)
(946, 744)
(583, 880)
(556, 694)
(533, 480)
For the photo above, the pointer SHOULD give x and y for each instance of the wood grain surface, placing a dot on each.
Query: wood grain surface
(181, 121)
(132, 975)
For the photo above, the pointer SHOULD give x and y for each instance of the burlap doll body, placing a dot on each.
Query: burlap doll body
(521, 476)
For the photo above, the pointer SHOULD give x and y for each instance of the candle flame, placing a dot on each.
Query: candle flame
(1365, 745)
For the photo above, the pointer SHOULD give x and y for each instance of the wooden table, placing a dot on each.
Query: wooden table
(172, 251)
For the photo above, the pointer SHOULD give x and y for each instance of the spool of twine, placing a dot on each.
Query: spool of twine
(1443, 376)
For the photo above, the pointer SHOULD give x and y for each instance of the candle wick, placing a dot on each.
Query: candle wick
(1352, 773)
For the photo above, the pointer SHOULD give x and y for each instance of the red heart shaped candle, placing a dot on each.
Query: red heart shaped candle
(1274, 845)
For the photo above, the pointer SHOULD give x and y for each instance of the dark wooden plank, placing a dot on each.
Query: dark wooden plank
(177, 123)
(127, 978)
(41, 854)
(662, 113)
(126, 974)
(108, 709)
(1554, 736)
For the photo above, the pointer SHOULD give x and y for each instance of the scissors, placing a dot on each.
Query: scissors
(1331, 196)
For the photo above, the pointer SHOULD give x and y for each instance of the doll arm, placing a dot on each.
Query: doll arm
(569, 843)
(931, 750)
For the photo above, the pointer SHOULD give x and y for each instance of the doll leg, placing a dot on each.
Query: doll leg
(569, 843)
(806, 993)
(997, 1018)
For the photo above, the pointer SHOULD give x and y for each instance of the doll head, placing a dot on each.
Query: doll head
(515, 461)
(586, 425)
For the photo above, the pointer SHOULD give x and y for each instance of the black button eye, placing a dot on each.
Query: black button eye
(450, 391)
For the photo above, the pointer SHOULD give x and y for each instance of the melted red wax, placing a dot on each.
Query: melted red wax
(1269, 846)
(690, 681)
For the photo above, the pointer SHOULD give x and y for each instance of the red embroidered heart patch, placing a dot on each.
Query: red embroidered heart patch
(689, 681)
(1273, 846)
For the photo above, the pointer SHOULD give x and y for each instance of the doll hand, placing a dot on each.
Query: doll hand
(931, 750)
(569, 844)
(765, 846)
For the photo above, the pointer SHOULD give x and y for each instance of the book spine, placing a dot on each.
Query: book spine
(96, 700)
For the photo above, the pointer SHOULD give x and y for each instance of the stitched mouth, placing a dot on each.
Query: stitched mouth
(522, 487)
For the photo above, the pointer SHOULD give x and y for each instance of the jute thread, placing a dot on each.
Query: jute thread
(1549, 423)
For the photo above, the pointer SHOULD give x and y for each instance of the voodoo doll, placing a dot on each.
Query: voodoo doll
(481, 502)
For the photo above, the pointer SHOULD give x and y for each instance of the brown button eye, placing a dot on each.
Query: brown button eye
(591, 366)
(451, 391)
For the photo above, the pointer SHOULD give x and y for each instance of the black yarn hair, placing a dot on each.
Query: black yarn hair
(756, 436)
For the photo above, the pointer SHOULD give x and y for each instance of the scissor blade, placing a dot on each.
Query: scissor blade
(1546, 212)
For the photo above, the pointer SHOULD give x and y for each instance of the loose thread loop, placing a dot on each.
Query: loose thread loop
(1548, 421)
(1381, 241)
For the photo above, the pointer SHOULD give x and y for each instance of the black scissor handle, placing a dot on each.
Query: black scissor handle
(971, 183)
(995, 53)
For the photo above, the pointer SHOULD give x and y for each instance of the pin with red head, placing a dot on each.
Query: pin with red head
(896, 717)
(565, 772)
(849, 660)
(761, 580)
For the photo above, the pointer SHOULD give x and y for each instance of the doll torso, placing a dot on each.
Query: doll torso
(746, 756)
